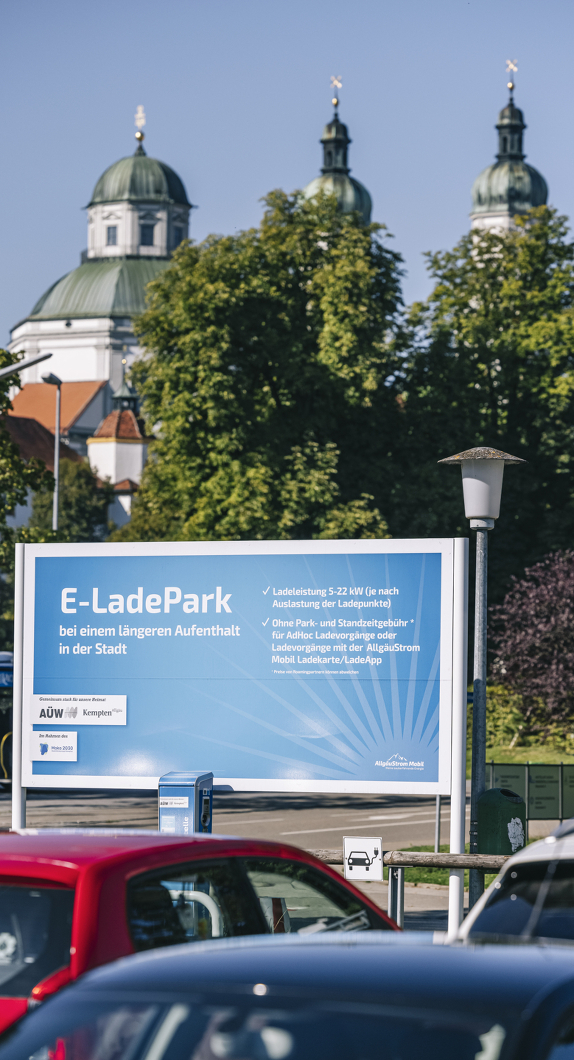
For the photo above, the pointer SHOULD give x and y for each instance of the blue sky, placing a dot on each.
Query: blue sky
(236, 93)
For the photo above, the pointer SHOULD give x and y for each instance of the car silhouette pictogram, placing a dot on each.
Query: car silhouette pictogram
(360, 859)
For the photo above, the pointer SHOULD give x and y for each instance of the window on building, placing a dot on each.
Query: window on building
(146, 235)
(112, 239)
(177, 235)
(504, 145)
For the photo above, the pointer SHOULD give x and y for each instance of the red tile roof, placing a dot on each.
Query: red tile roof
(33, 440)
(122, 423)
(127, 485)
(37, 401)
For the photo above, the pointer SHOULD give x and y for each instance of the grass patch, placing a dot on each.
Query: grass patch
(541, 753)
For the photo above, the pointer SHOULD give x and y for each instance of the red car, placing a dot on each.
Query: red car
(71, 901)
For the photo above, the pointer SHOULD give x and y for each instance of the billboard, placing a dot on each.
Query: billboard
(321, 666)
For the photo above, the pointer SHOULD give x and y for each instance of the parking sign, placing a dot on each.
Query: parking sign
(363, 857)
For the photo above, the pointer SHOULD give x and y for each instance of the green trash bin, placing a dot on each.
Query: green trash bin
(501, 822)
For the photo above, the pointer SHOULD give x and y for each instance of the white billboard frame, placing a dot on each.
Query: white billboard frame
(454, 576)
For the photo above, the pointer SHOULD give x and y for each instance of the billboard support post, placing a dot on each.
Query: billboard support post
(18, 792)
(437, 825)
(459, 682)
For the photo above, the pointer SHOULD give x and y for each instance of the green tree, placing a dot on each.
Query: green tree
(83, 507)
(491, 363)
(269, 381)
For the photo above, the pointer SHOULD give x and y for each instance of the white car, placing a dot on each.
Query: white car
(533, 896)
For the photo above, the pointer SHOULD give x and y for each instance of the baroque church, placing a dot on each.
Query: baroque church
(137, 215)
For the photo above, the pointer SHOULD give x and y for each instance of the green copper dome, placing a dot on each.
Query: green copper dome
(139, 179)
(509, 186)
(351, 194)
(111, 287)
(335, 180)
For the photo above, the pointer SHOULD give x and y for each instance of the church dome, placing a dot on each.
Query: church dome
(351, 194)
(335, 180)
(509, 187)
(139, 178)
(110, 287)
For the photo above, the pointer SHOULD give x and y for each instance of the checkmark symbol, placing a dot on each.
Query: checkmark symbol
(265, 623)
(265, 591)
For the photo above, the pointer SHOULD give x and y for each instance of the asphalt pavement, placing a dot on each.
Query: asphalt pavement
(310, 821)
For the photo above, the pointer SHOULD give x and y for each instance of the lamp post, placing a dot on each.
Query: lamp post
(482, 471)
(53, 380)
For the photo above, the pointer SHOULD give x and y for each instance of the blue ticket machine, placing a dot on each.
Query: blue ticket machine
(185, 803)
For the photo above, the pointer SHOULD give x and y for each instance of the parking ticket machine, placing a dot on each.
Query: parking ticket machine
(185, 803)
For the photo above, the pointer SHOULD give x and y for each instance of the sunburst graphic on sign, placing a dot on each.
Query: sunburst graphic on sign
(378, 724)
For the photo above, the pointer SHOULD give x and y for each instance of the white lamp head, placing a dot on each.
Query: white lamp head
(482, 470)
(52, 379)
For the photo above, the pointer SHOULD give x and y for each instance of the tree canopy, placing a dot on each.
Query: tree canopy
(491, 362)
(268, 381)
(83, 508)
(533, 634)
(290, 396)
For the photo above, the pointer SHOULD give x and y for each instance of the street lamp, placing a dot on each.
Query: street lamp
(12, 369)
(482, 471)
(53, 380)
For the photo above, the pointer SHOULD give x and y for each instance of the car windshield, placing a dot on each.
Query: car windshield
(35, 935)
(533, 900)
(221, 1027)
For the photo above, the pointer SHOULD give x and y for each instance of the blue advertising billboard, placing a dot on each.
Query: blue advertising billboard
(319, 666)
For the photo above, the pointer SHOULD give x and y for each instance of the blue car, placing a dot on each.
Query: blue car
(376, 996)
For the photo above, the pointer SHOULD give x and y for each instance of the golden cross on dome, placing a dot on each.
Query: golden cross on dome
(511, 68)
(336, 83)
(140, 122)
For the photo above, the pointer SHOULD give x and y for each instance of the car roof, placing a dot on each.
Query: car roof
(545, 849)
(354, 965)
(63, 853)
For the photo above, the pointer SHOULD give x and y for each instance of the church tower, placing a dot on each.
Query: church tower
(137, 215)
(509, 187)
(335, 179)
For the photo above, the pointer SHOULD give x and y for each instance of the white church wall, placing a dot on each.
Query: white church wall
(117, 460)
(127, 218)
(90, 348)
(489, 222)
(119, 511)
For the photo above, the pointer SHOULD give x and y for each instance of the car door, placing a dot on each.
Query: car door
(191, 902)
(223, 897)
